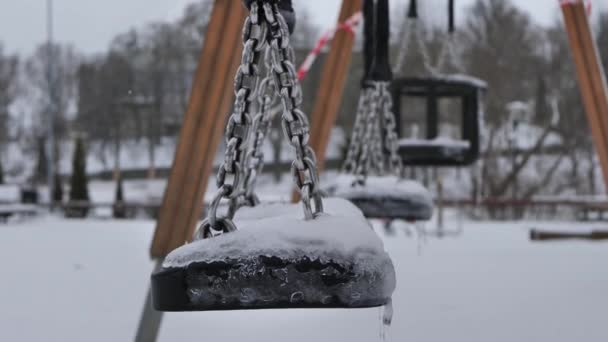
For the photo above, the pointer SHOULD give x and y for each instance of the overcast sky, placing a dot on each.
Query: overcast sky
(91, 24)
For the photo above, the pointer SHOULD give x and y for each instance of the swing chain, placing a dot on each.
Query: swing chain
(294, 121)
(354, 147)
(390, 131)
(264, 29)
(239, 124)
(262, 122)
(366, 159)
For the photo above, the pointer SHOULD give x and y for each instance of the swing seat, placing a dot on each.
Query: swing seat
(278, 260)
(386, 197)
(436, 150)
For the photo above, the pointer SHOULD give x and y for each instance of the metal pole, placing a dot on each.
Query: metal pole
(52, 105)
(150, 321)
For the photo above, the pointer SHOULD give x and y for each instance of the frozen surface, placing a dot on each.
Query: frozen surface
(379, 187)
(464, 78)
(72, 281)
(340, 235)
(439, 142)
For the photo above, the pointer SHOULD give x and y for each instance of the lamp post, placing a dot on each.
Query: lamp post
(51, 103)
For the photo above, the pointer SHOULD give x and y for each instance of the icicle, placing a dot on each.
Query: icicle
(386, 319)
(420, 235)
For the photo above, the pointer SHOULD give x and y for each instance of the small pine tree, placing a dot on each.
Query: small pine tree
(79, 190)
(57, 189)
(41, 166)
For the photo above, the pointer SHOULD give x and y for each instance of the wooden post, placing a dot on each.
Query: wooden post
(591, 76)
(202, 128)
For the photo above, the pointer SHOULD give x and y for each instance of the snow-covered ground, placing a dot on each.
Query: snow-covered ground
(86, 281)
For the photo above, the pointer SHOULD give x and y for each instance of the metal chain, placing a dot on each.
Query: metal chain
(366, 157)
(395, 163)
(262, 123)
(294, 121)
(239, 126)
(355, 144)
(265, 28)
(409, 26)
(448, 54)
(376, 143)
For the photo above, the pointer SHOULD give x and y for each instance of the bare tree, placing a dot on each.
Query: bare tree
(52, 89)
(8, 91)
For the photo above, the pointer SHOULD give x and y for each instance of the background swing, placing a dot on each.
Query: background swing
(267, 256)
(372, 175)
(461, 93)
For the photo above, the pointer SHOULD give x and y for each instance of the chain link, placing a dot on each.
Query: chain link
(262, 123)
(395, 163)
(374, 143)
(265, 29)
(356, 138)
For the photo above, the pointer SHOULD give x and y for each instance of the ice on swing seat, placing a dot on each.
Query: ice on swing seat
(276, 259)
(385, 197)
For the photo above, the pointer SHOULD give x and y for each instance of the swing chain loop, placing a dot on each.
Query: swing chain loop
(354, 147)
(395, 163)
(366, 160)
(265, 28)
(295, 124)
(267, 97)
(238, 128)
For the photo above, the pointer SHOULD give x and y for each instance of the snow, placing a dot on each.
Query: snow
(438, 142)
(10, 193)
(73, 280)
(464, 79)
(379, 187)
(341, 235)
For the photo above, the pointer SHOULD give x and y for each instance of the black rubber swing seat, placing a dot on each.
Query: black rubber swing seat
(385, 197)
(277, 260)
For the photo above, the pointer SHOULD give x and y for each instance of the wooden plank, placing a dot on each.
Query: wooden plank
(591, 77)
(183, 197)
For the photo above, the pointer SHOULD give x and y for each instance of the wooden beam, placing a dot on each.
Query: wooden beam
(333, 80)
(591, 76)
(202, 128)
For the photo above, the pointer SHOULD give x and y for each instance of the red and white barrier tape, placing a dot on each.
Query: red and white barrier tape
(588, 4)
(349, 25)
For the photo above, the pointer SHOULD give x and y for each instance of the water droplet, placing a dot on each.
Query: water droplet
(297, 297)
(248, 295)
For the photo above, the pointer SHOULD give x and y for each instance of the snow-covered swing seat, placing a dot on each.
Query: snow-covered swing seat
(271, 256)
(372, 176)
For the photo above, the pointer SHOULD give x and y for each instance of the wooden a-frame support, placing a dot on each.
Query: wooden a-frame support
(591, 76)
(202, 129)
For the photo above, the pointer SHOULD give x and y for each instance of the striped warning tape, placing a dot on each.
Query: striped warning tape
(588, 4)
(349, 25)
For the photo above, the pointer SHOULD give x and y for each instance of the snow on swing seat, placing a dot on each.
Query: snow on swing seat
(277, 259)
(386, 197)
